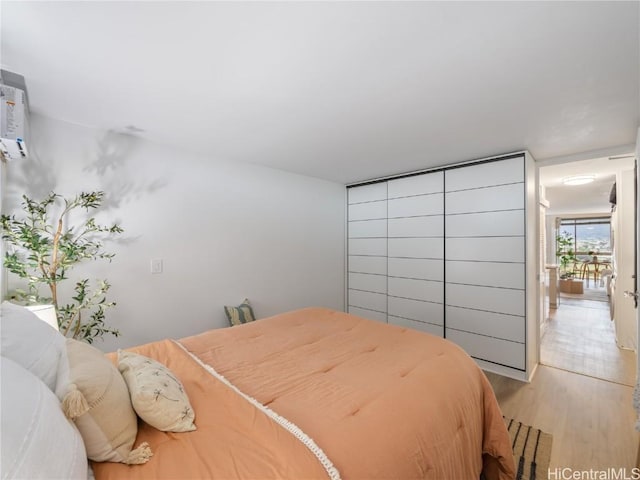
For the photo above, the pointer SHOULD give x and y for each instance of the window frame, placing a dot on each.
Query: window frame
(569, 223)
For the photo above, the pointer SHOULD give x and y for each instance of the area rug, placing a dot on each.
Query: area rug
(531, 450)
(587, 298)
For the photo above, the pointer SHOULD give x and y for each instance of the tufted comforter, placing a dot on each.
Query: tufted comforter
(381, 401)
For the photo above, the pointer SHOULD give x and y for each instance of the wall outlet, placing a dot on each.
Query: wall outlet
(156, 265)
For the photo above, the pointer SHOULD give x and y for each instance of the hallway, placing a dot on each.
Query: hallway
(580, 338)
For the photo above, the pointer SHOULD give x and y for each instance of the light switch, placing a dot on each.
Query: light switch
(156, 265)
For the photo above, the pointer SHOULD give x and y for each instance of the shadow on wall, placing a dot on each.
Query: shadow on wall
(113, 150)
(32, 177)
(37, 177)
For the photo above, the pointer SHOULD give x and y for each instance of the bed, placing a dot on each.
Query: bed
(317, 393)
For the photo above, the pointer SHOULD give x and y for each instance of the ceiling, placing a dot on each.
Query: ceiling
(591, 198)
(344, 91)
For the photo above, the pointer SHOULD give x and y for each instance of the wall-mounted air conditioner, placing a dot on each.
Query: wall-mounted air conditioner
(14, 116)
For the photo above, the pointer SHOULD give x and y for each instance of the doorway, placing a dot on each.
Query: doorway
(588, 327)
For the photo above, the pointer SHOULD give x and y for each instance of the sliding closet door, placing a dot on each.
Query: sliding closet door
(416, 252)
(485, 260)
(367, 251)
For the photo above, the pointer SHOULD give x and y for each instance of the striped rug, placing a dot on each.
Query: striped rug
(531, 450)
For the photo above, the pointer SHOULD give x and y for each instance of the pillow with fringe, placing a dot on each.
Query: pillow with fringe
(97, 400)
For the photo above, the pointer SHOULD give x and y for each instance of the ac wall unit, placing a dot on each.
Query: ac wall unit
(14, 116)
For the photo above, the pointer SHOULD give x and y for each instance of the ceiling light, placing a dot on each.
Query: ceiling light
(578, 179)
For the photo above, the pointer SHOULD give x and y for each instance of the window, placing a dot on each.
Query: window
(591, 236)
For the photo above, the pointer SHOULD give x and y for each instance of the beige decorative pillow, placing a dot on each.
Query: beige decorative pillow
(157, 395)
(97, 400)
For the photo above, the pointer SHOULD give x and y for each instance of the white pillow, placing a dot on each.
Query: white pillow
(157, 395)
(37, 439)
(31, 343)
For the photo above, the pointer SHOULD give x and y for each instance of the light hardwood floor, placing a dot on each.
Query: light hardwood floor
(580, 337)
(592, 420)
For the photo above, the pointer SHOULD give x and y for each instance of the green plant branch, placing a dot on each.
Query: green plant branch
(44, 251)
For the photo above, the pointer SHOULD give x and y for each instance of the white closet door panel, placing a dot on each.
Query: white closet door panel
(368, 228)
(368, 300)
(368, 211)
(489, 274)
(436, 330)
(424, 269)
(370, 314)
(414, 206)
(499, 300)
(485, 174)
(416, 247)
(368, 282)
(367, 193)
(416, 185)
(504, 197)
(507, 327)
(416, 289)
(368, 246)
(485, 249)
(431, 226)
(368, 264)
(487, 224)
(416, 310)
(491, 349)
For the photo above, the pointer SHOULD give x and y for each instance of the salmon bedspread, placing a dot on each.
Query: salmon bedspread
(381, 401)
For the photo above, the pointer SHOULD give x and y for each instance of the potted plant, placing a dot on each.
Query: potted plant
(44, 248)
(567, 258)
(565, 254)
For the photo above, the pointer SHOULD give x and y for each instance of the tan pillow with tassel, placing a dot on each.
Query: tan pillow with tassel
(97, 400)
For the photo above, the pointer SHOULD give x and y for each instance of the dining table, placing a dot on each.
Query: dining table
(593, 266)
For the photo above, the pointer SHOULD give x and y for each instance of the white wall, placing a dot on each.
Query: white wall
(3, 272)
(225, 231)
(624, 269)
(532, 262)
(637, 159)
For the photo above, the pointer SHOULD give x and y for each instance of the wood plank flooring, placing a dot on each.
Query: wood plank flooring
(580, 337)
(592, 421)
